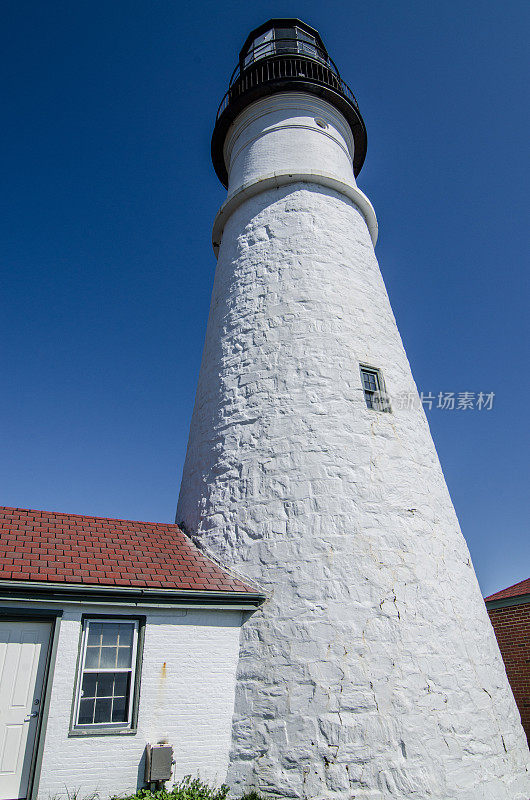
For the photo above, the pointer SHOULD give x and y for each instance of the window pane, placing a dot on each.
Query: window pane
(119, 709)
(110, 634)
(285, 33)
(88, 688)
(306, 37)
(125, 633)
(124, 657)
(263, 37)
(308, 49)
(92, 657)
(369, 381)
(306, 43)
(108, 657)
(86, 712)
(285, 40)
(105, 682)
(121, 684)
(261, 47)
(103, 711)
(94, 633)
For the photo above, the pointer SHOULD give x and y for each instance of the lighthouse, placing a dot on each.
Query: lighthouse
(372, 670)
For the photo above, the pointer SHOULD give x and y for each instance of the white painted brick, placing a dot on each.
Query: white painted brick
(191, 706)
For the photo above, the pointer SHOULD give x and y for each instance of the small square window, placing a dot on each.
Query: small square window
(106, 679)
(374, 389)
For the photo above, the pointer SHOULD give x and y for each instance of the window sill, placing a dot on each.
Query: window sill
(84, 732)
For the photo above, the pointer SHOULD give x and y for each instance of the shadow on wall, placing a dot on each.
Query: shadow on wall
(140, 780)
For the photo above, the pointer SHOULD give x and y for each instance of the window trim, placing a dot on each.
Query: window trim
(131, 670)
(383, 404)
(109, 728)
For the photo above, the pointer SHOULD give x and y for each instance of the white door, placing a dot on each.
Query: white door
(23, 653)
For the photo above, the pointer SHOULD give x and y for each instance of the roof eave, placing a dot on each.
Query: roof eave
(42, 591)
(506, 602)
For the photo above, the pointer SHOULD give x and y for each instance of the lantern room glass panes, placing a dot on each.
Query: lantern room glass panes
(307, 45)
(261, 47)
(284, 40)
(106, 678)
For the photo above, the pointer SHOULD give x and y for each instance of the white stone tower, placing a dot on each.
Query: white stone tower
(372, 670)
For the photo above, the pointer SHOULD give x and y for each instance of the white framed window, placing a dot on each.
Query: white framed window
(106, 677)
(374, 389)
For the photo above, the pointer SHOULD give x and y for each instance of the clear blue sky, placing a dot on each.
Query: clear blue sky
(108, 198)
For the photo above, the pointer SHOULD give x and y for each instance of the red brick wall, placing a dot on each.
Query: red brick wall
(512, 629)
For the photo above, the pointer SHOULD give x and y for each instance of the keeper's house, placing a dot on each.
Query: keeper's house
(509, 612)
(113, 635)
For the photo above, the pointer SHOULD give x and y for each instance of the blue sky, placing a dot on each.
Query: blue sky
(107, 205)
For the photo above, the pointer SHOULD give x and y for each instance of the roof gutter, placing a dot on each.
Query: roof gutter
(38, 592)
(506, 602)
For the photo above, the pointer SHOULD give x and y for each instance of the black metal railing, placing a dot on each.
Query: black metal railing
(285, 66)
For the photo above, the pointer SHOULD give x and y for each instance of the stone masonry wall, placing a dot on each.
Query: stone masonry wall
(372, 671)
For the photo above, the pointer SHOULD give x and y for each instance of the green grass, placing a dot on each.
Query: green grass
(188, 789)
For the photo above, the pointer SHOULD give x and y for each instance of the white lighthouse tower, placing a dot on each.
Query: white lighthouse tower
(372, 670)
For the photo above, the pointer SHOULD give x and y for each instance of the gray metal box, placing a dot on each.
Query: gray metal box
(158, 762)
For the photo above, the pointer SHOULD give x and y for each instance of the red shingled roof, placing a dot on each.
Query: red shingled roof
(523, 587)
(68, 548)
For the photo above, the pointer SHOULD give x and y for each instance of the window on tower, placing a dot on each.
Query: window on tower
(374, 389)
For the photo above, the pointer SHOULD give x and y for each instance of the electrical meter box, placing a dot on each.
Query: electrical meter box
(158, 762)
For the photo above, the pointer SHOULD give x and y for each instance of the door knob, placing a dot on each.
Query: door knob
(33, 714)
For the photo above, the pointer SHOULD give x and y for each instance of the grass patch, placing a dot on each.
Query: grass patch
(188, 789)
